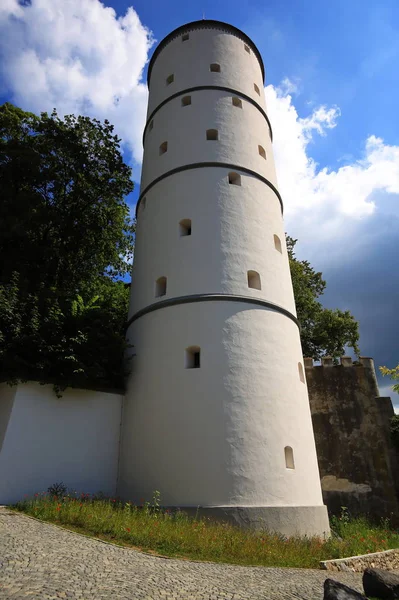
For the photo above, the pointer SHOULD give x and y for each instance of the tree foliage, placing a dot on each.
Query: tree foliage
(63, 215)
(393, 374)
(324, 332)
(395, 431)
(65, 239)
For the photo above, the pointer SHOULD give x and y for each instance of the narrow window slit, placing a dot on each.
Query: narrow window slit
(185, 227)
(193, 357)
(160, 287)
(277, 243)
(215, 68)
(289, 457)
(163, 148)
(212, 134)
(254, 280)
(234, 178)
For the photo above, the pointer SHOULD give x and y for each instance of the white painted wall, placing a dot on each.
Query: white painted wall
(74, 439)
(240, 130)
(214, 436)
(189, 62)
(232, 233)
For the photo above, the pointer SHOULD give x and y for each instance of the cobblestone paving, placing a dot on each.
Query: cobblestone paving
(40, 561)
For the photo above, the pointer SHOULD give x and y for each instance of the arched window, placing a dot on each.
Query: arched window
(262, 152)
(301, 373)
(289, 457)
(142, 204)
(215, 68)
(212, 134)
(254, 280)
(247, 49)
(186, 101)
(163, 148)
(185, 227)
(160, 287)
(185, 37)
(192, 357)
(151, 125)
(234, 178)
(277, 243)
(237, 102)
(257, 90)
(170, 79)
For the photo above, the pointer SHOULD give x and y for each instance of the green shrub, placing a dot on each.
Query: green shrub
(395, 431)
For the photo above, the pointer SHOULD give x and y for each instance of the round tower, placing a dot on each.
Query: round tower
(216, 414)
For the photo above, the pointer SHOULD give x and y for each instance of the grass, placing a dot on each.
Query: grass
(152, 529)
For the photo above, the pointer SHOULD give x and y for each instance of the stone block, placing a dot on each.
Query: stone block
(334, 590)
(327, 361)
(381, 584)
(346, 361)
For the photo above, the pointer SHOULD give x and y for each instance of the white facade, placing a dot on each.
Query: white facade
(45, 440)
(218, 436)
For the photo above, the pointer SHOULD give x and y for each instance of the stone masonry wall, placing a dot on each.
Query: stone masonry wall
(358, 465)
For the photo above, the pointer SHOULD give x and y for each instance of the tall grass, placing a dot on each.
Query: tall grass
(152, 529)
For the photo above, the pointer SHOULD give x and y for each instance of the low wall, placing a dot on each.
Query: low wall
(45, 439)
(388, 560)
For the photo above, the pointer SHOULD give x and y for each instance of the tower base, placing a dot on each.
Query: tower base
(285, 520)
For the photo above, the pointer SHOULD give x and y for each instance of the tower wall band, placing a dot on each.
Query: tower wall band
(217, 413)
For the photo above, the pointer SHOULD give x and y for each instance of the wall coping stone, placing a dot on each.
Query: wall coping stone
(343, 361)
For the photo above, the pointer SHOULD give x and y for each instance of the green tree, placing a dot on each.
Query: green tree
(63, 216)
(393, 374)
(65, 239)
(324, 332)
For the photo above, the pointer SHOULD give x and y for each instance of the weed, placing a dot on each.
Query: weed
(151, 528)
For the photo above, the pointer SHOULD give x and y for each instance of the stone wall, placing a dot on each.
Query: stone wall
(358, 465)
(388, 560)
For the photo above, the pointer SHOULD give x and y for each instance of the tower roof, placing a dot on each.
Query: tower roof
(204, 24)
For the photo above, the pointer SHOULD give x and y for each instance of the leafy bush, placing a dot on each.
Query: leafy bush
(395, 431)
(66, 237)
(57, 489)
(68, 342)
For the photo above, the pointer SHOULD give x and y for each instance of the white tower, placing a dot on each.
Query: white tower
(216, 414)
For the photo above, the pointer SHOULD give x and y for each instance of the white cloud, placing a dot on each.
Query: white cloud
(287, 86)
(323, 204)
(80, 57)
(77, 56)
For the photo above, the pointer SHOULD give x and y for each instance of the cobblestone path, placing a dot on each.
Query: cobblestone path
(40, 561)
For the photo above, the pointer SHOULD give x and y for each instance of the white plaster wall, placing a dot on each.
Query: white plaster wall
(240, 130)
(74, 439)
(233, 231)
(190, 61)
(215, 436)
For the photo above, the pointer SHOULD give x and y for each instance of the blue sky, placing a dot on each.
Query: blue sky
(331, 87)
